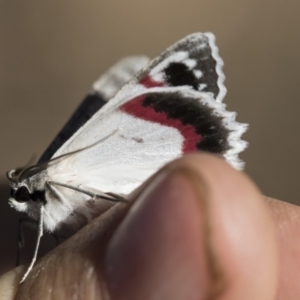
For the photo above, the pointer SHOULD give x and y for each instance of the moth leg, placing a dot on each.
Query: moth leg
(21, 239)
(37, 245)
(116, 196)
(104, 196)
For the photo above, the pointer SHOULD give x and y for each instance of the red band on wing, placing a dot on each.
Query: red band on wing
(135, 108)
(149, 82)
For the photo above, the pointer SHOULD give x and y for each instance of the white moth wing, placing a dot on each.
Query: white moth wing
(130, 149)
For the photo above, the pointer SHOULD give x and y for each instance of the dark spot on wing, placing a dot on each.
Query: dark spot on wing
(178, 74)
(138, 140)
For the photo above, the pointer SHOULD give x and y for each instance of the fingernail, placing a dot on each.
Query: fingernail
(163, 248)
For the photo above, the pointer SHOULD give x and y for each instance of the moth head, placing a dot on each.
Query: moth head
(21, 194)
(27, 191)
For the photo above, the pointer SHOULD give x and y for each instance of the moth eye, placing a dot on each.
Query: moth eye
(22, 194)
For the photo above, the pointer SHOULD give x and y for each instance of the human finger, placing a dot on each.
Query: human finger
(199, 229)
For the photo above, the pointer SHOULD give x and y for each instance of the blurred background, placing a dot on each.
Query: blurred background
(52, 51)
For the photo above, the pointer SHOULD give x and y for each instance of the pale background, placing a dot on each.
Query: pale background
(51, 52)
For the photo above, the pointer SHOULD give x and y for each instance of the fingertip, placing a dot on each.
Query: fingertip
(238, 246)
(243, 229)
(157, 251)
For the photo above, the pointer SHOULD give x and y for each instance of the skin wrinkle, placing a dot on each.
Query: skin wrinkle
(286, 216)
(218, 279)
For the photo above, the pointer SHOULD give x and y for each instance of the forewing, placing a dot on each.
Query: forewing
(171, 107)
(145, 133)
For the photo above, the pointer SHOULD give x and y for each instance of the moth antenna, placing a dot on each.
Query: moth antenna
(14, 174)
(31, 161)
(104, 196)
(38, 167)
(37, 245)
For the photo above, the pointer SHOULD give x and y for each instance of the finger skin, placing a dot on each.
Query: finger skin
(241, 238)
(161, 249)
(287, 219)
(244, 232)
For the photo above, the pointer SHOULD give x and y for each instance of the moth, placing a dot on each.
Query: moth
(138, 117)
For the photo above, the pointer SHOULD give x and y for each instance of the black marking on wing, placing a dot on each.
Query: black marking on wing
(214, 135)
(207, 65)
(178, 74)
(199, 49)
(201, 52)
(90, 105)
